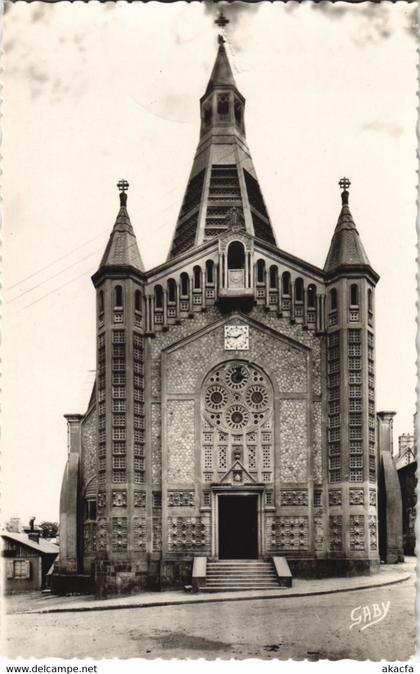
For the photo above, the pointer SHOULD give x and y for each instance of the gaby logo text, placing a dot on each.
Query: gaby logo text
(366, 616)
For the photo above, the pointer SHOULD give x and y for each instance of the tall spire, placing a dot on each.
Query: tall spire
(346, 248)
(221, 75)
(223, 175)
(122, 249)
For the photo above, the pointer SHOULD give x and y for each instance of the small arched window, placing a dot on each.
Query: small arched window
(210, 272)
(285, 279)
(185, 284)
(311, 296)
(260, 271)
(137, 300)
(236, 255)
(370, 301)
(274, 274)
(101, 305)
(299, 290)
(197, 278)
(171, 291)
(333, 300)
(118, 297)
(354, 295)
(158, 297)
(223, 104)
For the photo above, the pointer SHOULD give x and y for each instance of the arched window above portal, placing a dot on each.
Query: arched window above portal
(236, 255)
(274, 277)
(197, 278)
(285, 283)
(158, 297)
(185, 284)
(299, 290)
(210, 272)
(171, 291)
(260, 271)
(311, 296)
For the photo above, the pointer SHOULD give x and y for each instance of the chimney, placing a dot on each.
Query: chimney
(32, 534)
(13, 525)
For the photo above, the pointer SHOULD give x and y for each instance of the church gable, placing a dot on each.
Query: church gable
(285, 359)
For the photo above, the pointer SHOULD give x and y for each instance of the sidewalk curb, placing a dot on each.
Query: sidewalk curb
(213, 600)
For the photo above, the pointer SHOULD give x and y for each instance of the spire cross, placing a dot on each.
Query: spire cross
(344, 183)
(123, 186)
(221, 20)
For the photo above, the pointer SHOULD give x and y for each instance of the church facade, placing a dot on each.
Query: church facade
(233, 413)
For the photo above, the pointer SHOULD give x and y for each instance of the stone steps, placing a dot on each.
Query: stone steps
(235, 575)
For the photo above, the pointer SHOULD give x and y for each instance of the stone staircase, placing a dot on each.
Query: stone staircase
(240, 574)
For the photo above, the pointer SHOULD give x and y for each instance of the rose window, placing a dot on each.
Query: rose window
(216, 397)
(237, 417)
(237, 408)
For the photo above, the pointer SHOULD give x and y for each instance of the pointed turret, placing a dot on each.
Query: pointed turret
(223, 176)
(346, 248)
(122, 249)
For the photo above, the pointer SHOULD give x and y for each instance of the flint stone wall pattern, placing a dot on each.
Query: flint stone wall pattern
(316, 441)
(89, 445)
(156, 444)
(187, 365)
(180, 440)
(293, 441)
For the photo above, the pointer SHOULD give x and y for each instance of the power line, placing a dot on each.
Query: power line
(62, 286)
(49, 293)
(50, 264)
(70, 266)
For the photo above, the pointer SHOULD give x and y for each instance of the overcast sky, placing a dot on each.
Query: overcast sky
(94, 93)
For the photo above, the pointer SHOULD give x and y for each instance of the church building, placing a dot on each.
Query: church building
(233, 413)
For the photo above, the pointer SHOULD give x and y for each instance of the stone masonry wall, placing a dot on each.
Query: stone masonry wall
(181, 440)
(293, 440)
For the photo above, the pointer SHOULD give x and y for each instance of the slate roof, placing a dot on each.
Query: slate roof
(44, 546)
(346, 246)
(122, 246)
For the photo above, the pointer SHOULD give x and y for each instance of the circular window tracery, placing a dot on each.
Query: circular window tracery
(237, 417)
(237, 396)
(237, 377)
(256, 397)
(216, 397)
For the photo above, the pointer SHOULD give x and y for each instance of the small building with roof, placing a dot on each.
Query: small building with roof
(27, 561)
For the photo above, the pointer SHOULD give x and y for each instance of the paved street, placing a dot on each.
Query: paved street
(300, 627)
